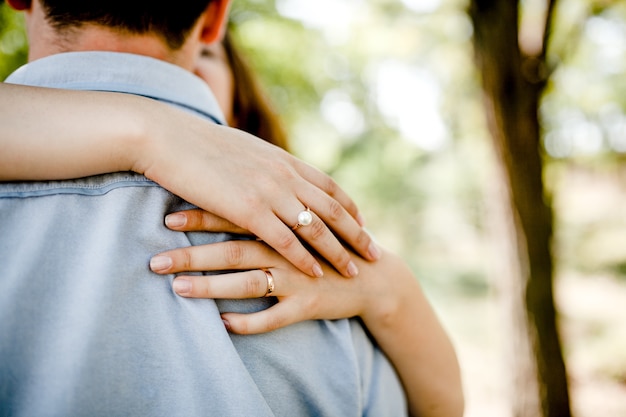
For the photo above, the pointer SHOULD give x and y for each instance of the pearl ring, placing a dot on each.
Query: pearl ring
(305, 218)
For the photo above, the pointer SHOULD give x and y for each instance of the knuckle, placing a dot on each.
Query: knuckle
(318, 229)
(274, 322)
(186, 260)
(351, 207)
(342, 259)
(331, 187)
(254, 202)
(287, 244)
(335, 210)
(205, 220)
(306, 260)
(286, 241)
(204, 290)
(240, 326)
(253, 287)
(233, 254)
(255, 199)
(192, 220)
(363, 239)
(285, 171)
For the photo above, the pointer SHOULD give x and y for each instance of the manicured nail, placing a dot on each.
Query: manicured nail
(373, 251)
(175, 220)
(160, 263)
(226, 324)
(353, 271)
(181, 286)
(360, 219)
(317, 271)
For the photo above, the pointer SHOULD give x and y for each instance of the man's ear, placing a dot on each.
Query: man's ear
(214, 22)
(19, 4)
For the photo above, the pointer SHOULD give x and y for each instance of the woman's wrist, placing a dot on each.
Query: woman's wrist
(395, 291)
(143, 143)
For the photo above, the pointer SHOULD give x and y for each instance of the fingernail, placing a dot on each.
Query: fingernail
(175, 220)
(160, 263)
(317, 271)
(181, 286)
(360, 219)
(226, 324)
(373, 251)
(352, 269)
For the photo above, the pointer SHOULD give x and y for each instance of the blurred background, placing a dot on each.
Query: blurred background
(385, 96)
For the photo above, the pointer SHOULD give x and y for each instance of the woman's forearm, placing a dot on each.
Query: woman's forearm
(55, 134)
(412, 337)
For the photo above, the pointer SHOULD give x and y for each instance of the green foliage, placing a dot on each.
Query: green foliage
(13, 44)
(585, 105)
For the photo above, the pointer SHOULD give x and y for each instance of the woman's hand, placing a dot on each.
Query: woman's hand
(385, 294)
(300, 296)
(258, 187)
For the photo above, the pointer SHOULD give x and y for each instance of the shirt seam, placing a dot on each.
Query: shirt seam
(86, 189)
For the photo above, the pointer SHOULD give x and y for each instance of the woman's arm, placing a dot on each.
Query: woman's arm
(48, 134)
(56, 134)
(408, 331)
(386, 295)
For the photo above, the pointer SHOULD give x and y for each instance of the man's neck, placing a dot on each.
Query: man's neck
(46, 40)
(96, 38)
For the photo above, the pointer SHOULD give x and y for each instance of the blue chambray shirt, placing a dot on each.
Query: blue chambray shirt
(87, 330)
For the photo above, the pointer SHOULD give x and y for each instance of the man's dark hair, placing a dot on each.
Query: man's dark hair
(171, 20)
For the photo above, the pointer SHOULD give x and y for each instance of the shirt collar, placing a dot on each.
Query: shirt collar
(124, 73)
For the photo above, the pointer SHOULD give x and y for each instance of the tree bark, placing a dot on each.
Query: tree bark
(512, 85)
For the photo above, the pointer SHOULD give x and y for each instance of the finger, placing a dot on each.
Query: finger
(280, 237)
(237, 285)
(279, 315)
(273, 231)
(201, 221)
(230, 255)
(341, 223)
(330, 187)
(339, 213)
(319, 236)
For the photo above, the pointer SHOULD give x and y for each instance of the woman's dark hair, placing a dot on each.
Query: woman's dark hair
(252, 111)
(172, 21)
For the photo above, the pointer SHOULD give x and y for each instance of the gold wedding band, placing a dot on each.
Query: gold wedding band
(270, 282)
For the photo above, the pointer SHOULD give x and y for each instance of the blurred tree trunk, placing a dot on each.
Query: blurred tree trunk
(513, 81)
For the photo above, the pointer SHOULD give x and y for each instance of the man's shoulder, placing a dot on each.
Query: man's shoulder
(123, 73)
